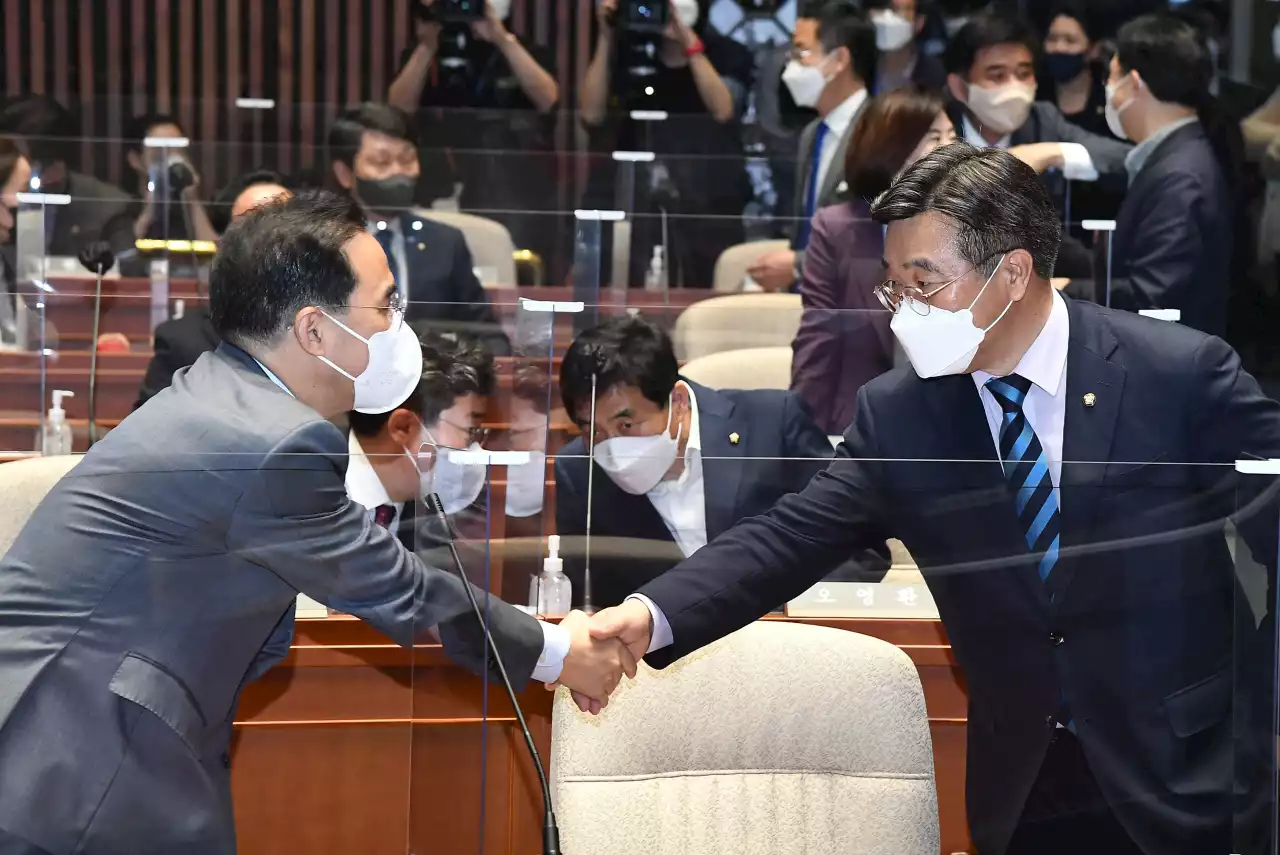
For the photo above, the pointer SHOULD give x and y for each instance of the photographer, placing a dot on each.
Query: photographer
(699, 79)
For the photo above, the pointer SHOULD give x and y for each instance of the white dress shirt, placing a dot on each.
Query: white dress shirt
(1077, 165)
(1045, 365)
(364, 487)
(682, 501)
(555, 639)
(837, 122)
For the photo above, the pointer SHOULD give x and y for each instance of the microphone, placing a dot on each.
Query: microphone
(96, 257)
(550, 830)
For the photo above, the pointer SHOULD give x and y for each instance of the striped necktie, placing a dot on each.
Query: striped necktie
(811, 186)
(1026, 469)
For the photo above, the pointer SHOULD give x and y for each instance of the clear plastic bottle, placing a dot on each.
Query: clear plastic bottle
(554, 588)
(56, 438)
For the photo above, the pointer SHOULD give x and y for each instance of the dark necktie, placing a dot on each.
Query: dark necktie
(384, 514)
(1026, 469)
(386, 239)
(811, 188)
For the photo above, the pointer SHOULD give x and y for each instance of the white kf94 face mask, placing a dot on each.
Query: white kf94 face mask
(942, 342)
(457, 484)
(638, 463)
(395, 366)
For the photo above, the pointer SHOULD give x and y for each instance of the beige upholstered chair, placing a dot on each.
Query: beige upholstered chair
(492, 249)
(751, 368)
(23, 483)
(737, 321)
(780, 738)
(731, 266)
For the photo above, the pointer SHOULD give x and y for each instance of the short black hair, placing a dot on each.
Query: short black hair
(1169, 55)
(622, 351)
(843, 24)
(1077, 11)
(280, 257)
(220, 211)
(986, 31)
(452, 366)
(139, 127)
(350, 127)
(44, 129)
(996, 202)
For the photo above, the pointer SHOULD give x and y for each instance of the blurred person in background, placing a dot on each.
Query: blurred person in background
(484, 101)
(47, 135)
(1172, 247)
(833, 62)
(677, 463)
(698, 183)
(1075, 76)
(15, 178)
(531, 415)
(373, 155)
(179, 342)
(899, 24)
(844, 339)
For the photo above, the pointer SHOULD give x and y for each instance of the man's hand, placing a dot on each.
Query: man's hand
(595, 664)
(490, 28)
(774, 271)
(427, 32)
(678, 31)
(606, 15)
(1039, 156)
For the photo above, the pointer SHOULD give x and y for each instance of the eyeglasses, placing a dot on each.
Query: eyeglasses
(474, 434)
(893, 294)
(395, 308)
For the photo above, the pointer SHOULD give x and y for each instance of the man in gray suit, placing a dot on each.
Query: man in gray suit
(833, 62)
(159, 576)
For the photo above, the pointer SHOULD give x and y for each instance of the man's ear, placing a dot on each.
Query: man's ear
(404, 428)
(345, 177)
(958, 87)
(920, 21)
(309, 331)
(1019, 267)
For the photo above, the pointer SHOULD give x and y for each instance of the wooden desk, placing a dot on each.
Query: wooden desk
(355, 745)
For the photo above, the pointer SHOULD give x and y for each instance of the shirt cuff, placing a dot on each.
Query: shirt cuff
(661, 636)
(1077, 165)
(555, 647)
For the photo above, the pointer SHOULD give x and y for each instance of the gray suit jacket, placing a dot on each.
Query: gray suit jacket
(158, 578)
(833, 187)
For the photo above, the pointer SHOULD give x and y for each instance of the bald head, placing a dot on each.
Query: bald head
(255, 195)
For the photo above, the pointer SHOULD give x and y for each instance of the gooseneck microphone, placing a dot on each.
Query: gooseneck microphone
(550, 831)
(97, 258)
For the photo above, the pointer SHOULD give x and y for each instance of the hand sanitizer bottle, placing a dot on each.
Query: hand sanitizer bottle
(56, 438)
(554, 594)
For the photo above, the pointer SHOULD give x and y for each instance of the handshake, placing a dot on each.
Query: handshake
(603, 647)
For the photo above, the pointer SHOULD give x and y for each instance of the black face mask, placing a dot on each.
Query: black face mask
(1064, 67)
(391, 195)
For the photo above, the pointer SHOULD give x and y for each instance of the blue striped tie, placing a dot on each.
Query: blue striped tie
(1026, 468)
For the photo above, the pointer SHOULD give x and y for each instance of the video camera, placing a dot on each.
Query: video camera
(643, 16)
(451, 11)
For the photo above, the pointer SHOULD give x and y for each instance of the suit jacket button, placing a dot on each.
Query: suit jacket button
(1056, 639)
(226, 760)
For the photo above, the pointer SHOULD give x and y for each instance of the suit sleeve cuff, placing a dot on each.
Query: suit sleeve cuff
(1077, 165)
(555, 647)
(661, 636)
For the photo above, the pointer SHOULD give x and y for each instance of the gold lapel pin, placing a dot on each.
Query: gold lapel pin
(1090, 399)
(421, 246)
(733, 438)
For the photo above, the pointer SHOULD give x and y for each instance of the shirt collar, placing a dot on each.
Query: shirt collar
(1045, 362)
(364, 487)
(842, 114)
(271, 375)
(974, 137)
(692, 449)
(1141, 153)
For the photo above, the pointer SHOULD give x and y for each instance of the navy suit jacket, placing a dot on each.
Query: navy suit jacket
(1135, 626)
(444, 293)
(779, 449)
(1173, 244)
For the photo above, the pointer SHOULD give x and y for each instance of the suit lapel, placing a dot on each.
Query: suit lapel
(722, 462)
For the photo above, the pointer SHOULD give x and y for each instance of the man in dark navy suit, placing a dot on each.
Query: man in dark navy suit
(1092, 605)
(1173, 242)
(677, 463)
(374, 155)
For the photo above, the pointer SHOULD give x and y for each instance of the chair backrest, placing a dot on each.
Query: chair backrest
(751, 368)
(737, 321)
(23, 484)
(492, 249)
(731, 266)
(780, 738)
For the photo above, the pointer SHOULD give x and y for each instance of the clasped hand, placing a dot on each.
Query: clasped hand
(602, 648)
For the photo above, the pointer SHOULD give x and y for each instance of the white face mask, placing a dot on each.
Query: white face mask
(1003, 109)
(688, 12)
(525, 486)
(637, 464)
(805, 82)
(457, 484)
(501, 8)
(394, 369)
(1113, 113)
(892, 30)
(942, 342)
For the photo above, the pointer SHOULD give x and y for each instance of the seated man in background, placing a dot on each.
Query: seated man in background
(373, 152)
(399, 457)
(180, 341)
(678, 463)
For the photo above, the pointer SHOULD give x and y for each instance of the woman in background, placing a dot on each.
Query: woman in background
(844, 337)
(1074, 78)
